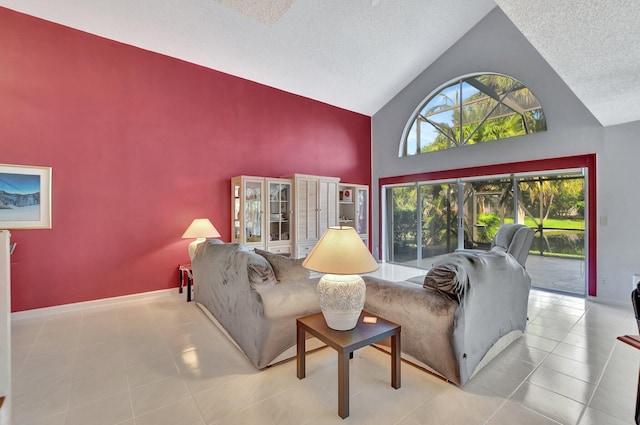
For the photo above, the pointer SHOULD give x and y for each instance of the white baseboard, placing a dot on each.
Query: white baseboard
(94, 304)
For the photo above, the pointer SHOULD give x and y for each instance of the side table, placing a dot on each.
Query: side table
(186, 275)
(345, 342)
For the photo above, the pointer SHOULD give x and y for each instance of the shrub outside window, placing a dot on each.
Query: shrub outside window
(474, 109)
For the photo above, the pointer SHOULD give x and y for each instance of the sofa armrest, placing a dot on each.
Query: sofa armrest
(289, 299)
(260, 318)
(426, 318)
(222, 287)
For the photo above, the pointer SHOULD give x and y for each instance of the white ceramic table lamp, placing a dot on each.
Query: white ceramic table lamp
(342, 255)
(201, 229)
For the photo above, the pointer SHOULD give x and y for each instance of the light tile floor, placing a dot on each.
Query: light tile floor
(161, 361)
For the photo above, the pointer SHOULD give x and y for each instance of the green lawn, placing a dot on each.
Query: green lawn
(555, 223)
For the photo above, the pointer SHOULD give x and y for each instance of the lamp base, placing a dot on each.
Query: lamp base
(341, 300)
(341, 321)
(194, 245)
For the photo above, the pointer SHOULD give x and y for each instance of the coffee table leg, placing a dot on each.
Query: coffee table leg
(395, 361)
(343, 384)
(300, 357)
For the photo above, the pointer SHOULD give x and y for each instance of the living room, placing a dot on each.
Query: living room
(141, 143)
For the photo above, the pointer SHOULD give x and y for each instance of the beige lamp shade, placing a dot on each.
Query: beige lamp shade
(201, 228)
(340, 251)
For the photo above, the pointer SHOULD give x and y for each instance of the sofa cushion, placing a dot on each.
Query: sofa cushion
(286, 269)
(260, 271)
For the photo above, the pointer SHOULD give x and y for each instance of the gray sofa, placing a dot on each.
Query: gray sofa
(469, 306)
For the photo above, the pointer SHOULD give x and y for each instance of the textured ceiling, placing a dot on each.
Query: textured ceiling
(267, 12)
(594, 45)
(355, 54)
(358, 54)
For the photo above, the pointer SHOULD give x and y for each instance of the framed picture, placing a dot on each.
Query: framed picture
(25, 197)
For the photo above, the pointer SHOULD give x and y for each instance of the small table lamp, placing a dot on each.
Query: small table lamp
(342, 255)
(201, 229)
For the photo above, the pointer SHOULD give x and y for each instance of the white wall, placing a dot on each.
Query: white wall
(496, 45)
(5, 327)
(618, 165)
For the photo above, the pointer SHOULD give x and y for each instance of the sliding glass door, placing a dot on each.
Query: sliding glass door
(424, 221)
(438, 220)
(488, 203)
(402, 225)
(421, 222)
(553, 204)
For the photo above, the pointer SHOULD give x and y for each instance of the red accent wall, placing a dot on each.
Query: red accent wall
(140, 144)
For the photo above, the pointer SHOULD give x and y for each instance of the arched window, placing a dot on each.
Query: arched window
(473, 109)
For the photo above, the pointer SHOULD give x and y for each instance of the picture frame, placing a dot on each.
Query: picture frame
(25, 197)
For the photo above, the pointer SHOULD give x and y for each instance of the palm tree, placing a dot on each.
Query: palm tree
(499, 107)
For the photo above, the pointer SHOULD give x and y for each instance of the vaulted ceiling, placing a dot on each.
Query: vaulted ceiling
(358, 54)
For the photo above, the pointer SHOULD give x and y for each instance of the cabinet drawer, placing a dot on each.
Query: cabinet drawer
(304, 250)
(280, 249)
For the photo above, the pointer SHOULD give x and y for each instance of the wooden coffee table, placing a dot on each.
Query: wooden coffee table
(345, 342)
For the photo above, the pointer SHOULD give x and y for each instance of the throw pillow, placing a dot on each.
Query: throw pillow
(259, 270)
(443, 278)
(286, 269)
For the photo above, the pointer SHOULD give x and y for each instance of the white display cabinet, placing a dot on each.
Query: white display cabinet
(315, 210)
(353, 201)
(280, 216)
(286, 215)
(247, 211)
(261, 212)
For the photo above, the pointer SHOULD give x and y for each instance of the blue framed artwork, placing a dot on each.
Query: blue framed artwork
(25, 197)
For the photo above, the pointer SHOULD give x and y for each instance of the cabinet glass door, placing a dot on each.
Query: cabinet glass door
(279, 211)
(362, 201)
(253, 211)
(236, 213)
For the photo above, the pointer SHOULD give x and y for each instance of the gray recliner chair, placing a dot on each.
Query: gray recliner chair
(514, 239)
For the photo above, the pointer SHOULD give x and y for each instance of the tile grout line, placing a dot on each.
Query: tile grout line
(537, 367)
